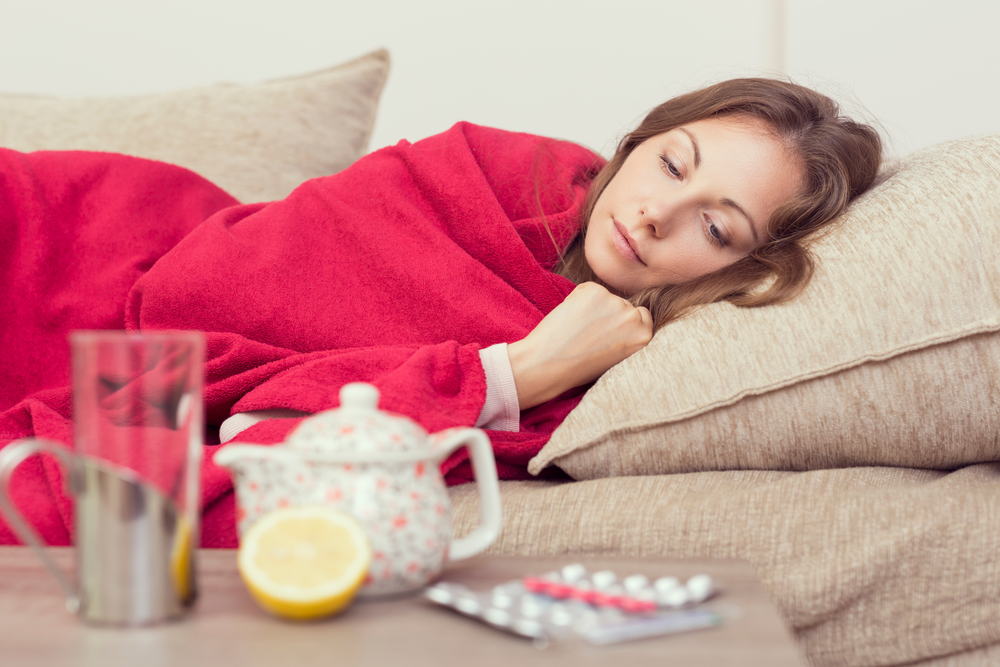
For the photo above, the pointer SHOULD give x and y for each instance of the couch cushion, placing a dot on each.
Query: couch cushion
(258, 142)
(868, 566)
(890, 357)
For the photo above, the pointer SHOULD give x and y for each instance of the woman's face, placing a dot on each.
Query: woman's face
(688, 202)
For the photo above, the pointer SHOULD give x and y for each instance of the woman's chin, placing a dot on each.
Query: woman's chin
(618, 286)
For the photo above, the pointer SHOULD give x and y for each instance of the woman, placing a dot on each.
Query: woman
(475, 277)
(710, 196)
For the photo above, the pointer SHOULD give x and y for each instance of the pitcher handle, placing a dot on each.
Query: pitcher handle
(484, 467)
(12, 456)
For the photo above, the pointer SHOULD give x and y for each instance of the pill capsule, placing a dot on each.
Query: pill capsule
(635, 583)
(560, 615)
(468, 605)
(528, 627)
(646, 595)
(530, 607)
(439, 595)
(675, 597)
(699, 587)
(664, 584)
(603, 579)
(501, 599)
(573, 573)
(497, 616)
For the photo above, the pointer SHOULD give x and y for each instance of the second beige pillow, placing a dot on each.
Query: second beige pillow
(258, 142)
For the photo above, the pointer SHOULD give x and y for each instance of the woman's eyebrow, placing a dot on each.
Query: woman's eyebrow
(694, 145)
(753, 228)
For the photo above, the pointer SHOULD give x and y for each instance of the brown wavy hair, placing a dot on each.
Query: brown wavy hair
(841, 160)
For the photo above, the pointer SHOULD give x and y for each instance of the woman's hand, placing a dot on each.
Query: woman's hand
(585, 335)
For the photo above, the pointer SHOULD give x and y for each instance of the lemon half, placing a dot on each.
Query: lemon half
(304, 563)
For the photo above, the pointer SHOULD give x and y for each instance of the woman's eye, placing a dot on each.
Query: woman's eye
(716, 234)
(669, 166)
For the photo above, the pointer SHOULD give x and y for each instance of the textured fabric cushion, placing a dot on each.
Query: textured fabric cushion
(868, 566)
(258, 142)
(890, 357)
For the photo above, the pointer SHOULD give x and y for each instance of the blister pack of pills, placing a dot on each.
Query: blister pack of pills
(596, 607)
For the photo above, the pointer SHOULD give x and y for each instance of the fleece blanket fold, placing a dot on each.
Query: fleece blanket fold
(396, 271)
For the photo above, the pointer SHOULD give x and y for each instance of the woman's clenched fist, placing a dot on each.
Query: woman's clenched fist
(585, 335)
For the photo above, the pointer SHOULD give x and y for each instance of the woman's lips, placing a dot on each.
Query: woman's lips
(624, 243)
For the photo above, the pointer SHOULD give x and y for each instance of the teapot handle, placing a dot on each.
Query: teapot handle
(484, 467)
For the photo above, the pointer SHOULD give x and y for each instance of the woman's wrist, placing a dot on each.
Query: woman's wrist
(534, 382)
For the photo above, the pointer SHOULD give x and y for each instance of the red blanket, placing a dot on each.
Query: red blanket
(395, 271)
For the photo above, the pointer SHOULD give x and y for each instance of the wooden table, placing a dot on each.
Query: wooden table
(227, 628)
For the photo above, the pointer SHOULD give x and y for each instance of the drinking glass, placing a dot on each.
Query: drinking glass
(134, 474)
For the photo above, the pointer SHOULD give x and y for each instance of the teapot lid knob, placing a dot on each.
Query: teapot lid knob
(358, 426)
(359, 395)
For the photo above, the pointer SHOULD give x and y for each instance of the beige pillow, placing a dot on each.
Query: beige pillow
(890, 357)
(258, 142)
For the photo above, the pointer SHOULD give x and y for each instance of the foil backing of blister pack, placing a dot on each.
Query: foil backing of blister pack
(596, 607)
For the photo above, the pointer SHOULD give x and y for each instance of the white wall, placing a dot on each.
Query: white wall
(584, 70)
(928, 70)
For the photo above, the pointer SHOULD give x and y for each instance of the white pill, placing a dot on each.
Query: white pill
(664, 584)
(497, 616)
(635, 583)
(467, 606)
(526, 627)
(513, 589)
(552, 576)
(530, 607)
(603, 579)
(675, 597)
(699, 587)
(501, 598)
(439, 595)
(560, 615)
(645, 594)
(573, 573)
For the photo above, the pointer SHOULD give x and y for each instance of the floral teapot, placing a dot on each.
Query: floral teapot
(382, 469)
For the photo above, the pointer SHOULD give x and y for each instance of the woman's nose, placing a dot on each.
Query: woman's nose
(660, 215)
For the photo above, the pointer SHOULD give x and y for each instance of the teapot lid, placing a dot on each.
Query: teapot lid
(358, 426)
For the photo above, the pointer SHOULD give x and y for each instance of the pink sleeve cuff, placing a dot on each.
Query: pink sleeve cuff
(241, 421)
(500, 411)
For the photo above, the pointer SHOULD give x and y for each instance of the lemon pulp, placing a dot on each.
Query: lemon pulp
(304, 562)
